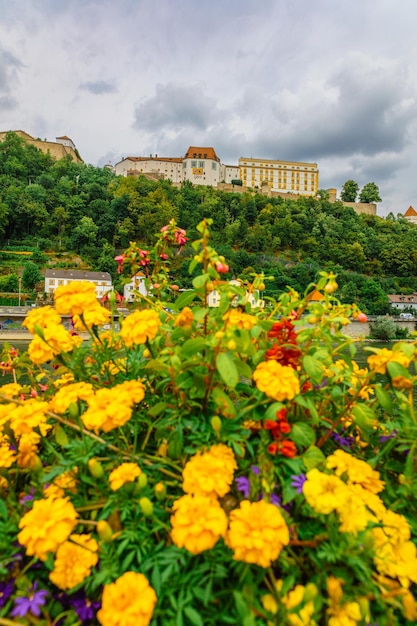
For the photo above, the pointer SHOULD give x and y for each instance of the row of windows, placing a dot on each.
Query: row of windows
(62, 281)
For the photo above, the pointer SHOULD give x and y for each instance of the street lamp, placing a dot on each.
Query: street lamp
(20, 287)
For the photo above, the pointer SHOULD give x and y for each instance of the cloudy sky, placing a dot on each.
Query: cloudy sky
(327, 81)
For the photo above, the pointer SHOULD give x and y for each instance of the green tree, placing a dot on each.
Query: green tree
(349, 191)
(86, 232)
(369, 193)
(31, 275)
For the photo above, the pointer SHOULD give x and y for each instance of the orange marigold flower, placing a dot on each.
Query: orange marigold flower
(378, 362)
(185, 318)
(70, 393)
(277, 381)
(126, 472)
(198, 523)
(66, 481)
(211, 472)
(46, 526)
(73, 561)
(75, 298)
(140, 327)
(29, 415)
(257, 533)
(95, 315)
(234, 317)
(43, 317)
(130, 601)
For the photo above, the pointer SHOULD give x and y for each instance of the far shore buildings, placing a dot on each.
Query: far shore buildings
(411, 215)
(57, 278)
(202, 166)
(58, 149)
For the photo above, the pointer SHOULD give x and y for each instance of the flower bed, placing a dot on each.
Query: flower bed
(206, 466)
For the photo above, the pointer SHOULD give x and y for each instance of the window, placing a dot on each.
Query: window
(60, 282)
(52, 281)
(194, 163)
(213, 166)
(201, 164)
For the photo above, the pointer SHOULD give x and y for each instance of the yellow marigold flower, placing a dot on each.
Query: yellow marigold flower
(11, 390)
(108, 409)
(353, 514)
(56, 339)
(110, 339)
(295, 598)
(129, 601)
(402, 383)
(277, 381)
(65, 379)
(409, 606)
(198, 523)
(185, 318)
(43, 317)
(95, 315)
(371, 500)
(31, 414)
(7, 456)
(395, 558)
(135, 389)
(396, 527)
(210, 473)
(378, 362)
(348, 614)
(323, 492)
(3, 484)
(126, 472)
(257, 533)
(140, 327)
(73, 561)
(237, 318)
(358, 471)
(75, 297)
(46, 526)
(69, 394)
(28, 448)
(63, 483)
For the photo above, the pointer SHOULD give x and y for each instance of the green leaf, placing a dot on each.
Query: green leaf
(364, 417)
(157, 365)
(184, 299)
(200, 281)
(157, 409)
(193, 346)
(396, 369)
(302, 434)
(156, 580)
(243, 368)
(313, 368)
(193, 616)
(227, 369)
(226, 406)
(271, 412)
(312, 457)
(383, 398)
(60, 435)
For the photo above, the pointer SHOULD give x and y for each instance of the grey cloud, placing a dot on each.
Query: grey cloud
(9, 64)
(175, 107)
(7, 103)
(99, 87)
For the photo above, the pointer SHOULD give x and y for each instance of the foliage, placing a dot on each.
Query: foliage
(206, 466)
(386, 329)
(369, 193)
(31, 275)
(349, 191)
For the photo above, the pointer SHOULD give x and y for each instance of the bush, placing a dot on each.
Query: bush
(206, 465)
(386, 330)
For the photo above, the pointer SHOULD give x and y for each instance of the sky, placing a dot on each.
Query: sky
(332, 82)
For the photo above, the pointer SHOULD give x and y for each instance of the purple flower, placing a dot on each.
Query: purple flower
(297, 482)
(345, 442)
(243, 485)
(85, 608)
(6, 590)
(274, 499)
(31, 603)
(384, 438)
(255, 469)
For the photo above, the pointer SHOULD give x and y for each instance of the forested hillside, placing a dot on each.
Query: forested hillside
(61, 205)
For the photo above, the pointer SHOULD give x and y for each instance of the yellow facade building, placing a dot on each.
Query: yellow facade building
(282, 176)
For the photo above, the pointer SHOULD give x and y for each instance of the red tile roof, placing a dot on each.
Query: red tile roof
(410, 212)
(197, 152)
